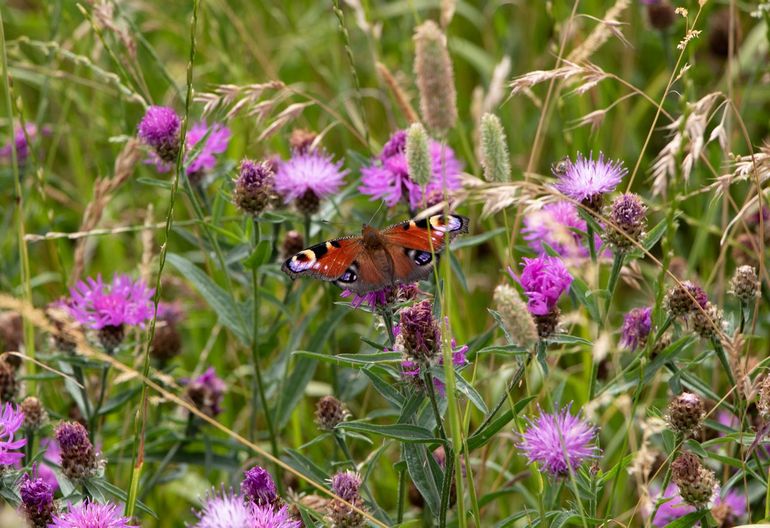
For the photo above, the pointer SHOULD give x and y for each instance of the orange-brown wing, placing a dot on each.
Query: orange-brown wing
(428, 234)
(329, 261)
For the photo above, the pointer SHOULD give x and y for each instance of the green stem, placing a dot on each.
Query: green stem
(446, 487)
(612, 282)
(428, 380)
(402, 491)
(720, 351)
(258, 387)
(387, 317)
(141, 422)
(591, 242)
(94, 418)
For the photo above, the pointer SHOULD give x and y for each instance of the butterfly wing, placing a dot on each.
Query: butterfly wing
(413, 245)
(329, 261)
(428, 234)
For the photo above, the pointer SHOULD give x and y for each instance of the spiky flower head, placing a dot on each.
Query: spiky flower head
(435, 78)
(199, 158)
(92, 515)
(37, 501)
(293, 243)
(683, 299)
(628, 221)
(558, 442)
(709, 322)
(259, 487)
(206, 392)
(515, 317)
(78, 456)
(420, 331)
(329, 412)
(745, 284)
(588, 180)
(11, 420)
(35, 415)
(96, 304)
(685, 413)
(387, 178)
(494, 149)
(167, 341)
(637, 324)
(159, 129)
(557, 225)
(697, 485)
(254, 187)
(230, 510)
(544, 279)
(346, 485)
(308, 177)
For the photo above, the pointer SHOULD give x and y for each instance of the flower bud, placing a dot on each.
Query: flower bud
(9, 385)
(494, 150)
(708, 323)
(78, 456)
(253, 188)
(744, 284)
(697, 485)
(37, 501)
(685, 413)
(679, 300)
(660, 14)
(35, 415)
(11, 332)
(420, 332)
(293, 243)
(258, 486)
(346, 485)
(301, 140)
(167, 341)
(111, 336)
(308, 203)
(329, 412)
(627, 221)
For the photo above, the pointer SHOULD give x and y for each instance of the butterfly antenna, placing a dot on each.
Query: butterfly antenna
(374, 215)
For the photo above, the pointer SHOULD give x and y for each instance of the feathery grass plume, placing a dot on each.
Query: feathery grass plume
(685, 413)
(516, 319)
(697, 485)
(418, 158)
(494, 149)
(435, 78)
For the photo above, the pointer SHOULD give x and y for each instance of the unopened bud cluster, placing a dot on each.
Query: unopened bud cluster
(697, 484)
(685, 413)
(329, 412)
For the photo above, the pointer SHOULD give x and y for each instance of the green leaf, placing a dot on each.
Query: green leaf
(294, 386)
(219, 300)
(652, 238)
(689, 520)
(481, 437)
(565, 339)
(352, 360)
(385, 389)
(582, 294)
(418, 466)
(259, 256)
(271, 218)
(476, 239)
(407, 433)
(499, 350)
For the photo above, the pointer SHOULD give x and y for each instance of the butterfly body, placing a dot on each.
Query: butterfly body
(401, 253)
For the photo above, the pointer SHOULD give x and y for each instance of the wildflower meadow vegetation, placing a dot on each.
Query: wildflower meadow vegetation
(350, 263)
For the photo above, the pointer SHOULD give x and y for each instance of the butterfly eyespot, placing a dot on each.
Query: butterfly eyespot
(421, 258)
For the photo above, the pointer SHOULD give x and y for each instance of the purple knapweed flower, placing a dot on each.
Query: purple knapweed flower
(79, 459)
(159, 129)
(419, 331)
(20, 136)
(730, 509)
(307, 177)
(556, 225)
(346, 484)
(206, 392)
(37, 500)
(558, 442)
(92, 515)
(387, 178)
(258, 486)
(379, 298)
(637, 324)
(231, 510)
(253, 189)
(217, 137)
(11, 419)
(96, 305)
(544, 279)
(411, 369)
(588, 180)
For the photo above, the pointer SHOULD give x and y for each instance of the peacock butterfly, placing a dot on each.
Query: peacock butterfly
(401, 253)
